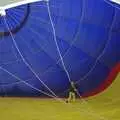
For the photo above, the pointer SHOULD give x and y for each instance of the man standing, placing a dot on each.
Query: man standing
(72, 92)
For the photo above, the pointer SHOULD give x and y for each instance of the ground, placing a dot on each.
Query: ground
(105, 106)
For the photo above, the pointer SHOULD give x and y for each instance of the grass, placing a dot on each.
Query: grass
(106, 106)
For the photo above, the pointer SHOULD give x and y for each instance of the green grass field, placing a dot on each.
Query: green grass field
(105, 106)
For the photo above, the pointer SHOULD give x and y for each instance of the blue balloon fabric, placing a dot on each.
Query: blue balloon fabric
(87, 34)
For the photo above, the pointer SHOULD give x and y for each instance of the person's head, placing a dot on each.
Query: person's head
(72, 83)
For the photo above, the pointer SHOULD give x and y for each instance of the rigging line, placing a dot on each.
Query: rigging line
(14, 83)
(24, 60)
(14, 76)
(55, 39)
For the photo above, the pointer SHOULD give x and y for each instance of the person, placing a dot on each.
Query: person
(72, 92)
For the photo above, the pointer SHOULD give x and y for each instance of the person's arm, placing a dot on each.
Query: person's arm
(75, 88)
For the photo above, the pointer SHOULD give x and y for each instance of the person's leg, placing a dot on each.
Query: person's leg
(70, 96)
(73, 97)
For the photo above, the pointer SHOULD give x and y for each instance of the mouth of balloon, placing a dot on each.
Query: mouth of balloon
(116, 1)
(7, 4)
(11, 16)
